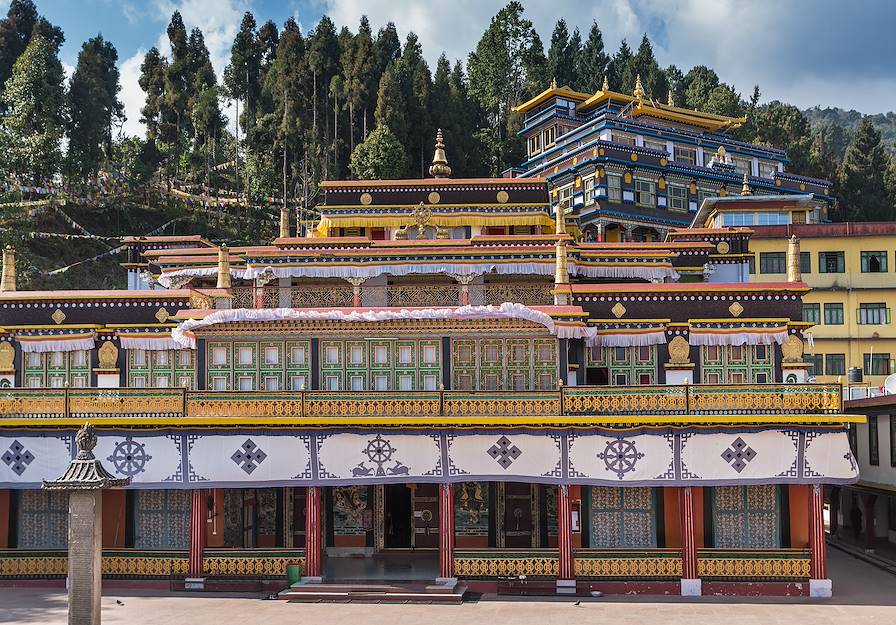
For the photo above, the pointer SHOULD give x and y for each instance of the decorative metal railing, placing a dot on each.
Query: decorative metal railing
(423, 295)
(582, 401)
(750, 564)
(525, 293)
(629, 564)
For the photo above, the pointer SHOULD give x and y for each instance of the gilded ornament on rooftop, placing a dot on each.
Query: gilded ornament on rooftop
(618, 310)
(792, 349)
(366, 199)
(162, 315)
(58, 316)
(736, 309)
(639, 89)
(671, 100)
(745, 189)
(108, 355)
(722, 247)
(7, 357)
(434, 197)
(679, 351)
(422, 216)
(502, 197)
(439, 167)
(605, 86)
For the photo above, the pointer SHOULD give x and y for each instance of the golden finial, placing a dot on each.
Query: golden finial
(8, 279)
(561, 271)
(284, 222)
(671, 100)
(746, 190)
(223, 267)
(553, 83)
(560, 221)
(439, 167)
(794, 271)
(606, 86)
(639, 90)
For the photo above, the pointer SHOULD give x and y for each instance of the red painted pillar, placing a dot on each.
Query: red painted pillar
(688, 542)
(446, 531)
(197, 532)
(818, 562)
(313, 547)
(566, 570)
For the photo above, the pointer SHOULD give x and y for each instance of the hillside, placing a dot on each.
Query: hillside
(849, 121)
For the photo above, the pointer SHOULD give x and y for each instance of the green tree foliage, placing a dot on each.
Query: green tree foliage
(562, 55)
(391, 109)
(21, 23)
(93, 106)
(617, 70)
(379, 157)
(783, 126)
(591, 66)
(242, 74)
(507, 67)
(700, 82)
(35, 122)
(644, 64)
(863, 192)
(152, 81)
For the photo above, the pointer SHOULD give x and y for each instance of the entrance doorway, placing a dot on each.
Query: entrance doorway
(398, 513)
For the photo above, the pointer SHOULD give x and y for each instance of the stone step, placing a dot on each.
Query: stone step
(373, 593)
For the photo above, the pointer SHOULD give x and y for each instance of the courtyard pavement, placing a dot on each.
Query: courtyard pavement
(863, 595)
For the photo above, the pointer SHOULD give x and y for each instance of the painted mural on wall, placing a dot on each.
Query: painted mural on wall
(352, 515)
(471, 509)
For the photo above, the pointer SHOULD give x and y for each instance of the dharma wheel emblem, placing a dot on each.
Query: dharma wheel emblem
(620, 456)
(129, 457)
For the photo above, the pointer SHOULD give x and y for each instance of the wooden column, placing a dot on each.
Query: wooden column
(197, 532)
(818, 565)
(313, 534)
(566, 570)
(690, 583)
(446, 531)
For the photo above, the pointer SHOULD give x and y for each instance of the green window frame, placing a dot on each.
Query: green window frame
(876, 363)
(831, 262)
(805, 262)
(772, 262)
(833, 314)
(873, 441)
(816, 362)
(747, 517)
(874, 262)
(835, 364)
(874, 314)
(812, 312)
(56, 369)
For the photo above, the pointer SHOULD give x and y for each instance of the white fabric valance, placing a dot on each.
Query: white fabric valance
(158, 342)
(746, 337)
(182, 334)
(57, 343)
(626, 339)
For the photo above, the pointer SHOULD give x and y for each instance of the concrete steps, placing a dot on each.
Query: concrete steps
(366, 592)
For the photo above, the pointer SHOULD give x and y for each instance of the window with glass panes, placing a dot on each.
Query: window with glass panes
(56, 369)
(772, 262)
(678, 197)
(873, 441)
(625, 365)
(380, 364)
(645, 192)
(161, 368)
(623, 138)
(746, 517)
(686, 155)
(874, 262)
(767, 169)
(805, 262)
(834, 364)
(702, 194)
(736, 364)
(588, 190)
(816, 363)
(258, 365)
(743, 166)
(504, 364)
(874, 314)
(614, 187)
(655, 144)
(564, 197)
(831, 262)
(812, 313)
(876, 364)
(833, 314)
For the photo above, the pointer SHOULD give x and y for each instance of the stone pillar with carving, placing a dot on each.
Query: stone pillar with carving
(108, 374)
(314, 568)
(566, 575)
(691, 584)
(84, 481)
(446, 533)
(679, 369)
(819, 584)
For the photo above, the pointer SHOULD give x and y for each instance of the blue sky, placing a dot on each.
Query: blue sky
(806, 52)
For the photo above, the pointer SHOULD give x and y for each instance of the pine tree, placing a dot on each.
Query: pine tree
(700, 82)
(152, 81)
(242, 74)
(359, 75)
(784, 126)
(863, 192)
(177, 90)
(268, 41)
(415, 82)
(561, 57)
(94, 106)
(644, 64)
(676, 86)
(380, 157)
(724, 100)
(323, 62)
(592, 62)
(17, 29)
(617, 70)
(391, 108)
(35, 99)
(387, 49)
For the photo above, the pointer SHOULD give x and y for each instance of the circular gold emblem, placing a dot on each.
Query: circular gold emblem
(634, 156)
(366, 199)
(723, 247)
(503, 197)
(434, 198)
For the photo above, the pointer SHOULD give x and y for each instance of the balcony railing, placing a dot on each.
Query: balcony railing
(687, 402)
(342, 295)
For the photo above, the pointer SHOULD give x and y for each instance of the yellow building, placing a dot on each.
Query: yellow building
(853, 283)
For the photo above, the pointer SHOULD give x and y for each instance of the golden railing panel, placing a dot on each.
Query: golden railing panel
(510, 565)
(645, 565)
(120, 401)
(372, 404)
(531, 294)
(760, 565)
(424, 295)
(32, 402)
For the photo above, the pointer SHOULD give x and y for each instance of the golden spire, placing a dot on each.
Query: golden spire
(439, 167)
(561, 272)
(560, 221)
(671, 101)
(223, 267)
(606, 86)
(639, 90)
(553, 83)
(794, 272)
(746, 190)
(8, 280)
(284, 222)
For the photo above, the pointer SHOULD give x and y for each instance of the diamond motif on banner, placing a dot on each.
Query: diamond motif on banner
(620, 456)
(739, 454)
(129, 457)
(504, 452)
(17, 458)
(248, 456)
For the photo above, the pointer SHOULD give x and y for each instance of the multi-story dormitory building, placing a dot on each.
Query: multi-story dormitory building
(629, 168)
(441, 382)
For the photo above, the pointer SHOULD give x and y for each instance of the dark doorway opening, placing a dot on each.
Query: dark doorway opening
(398, 512)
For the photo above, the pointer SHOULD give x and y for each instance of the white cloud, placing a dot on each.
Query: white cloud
(132, 95)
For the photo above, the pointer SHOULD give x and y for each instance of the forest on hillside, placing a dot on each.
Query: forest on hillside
(333, 103)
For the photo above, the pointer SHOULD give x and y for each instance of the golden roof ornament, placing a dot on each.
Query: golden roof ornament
(794, 270)
(671, 100)
(553, 83)
(606, 86)
(8, 279)
(561, 271)
(560, 221)
(223, 267)
(422, 214)
(745, 189)
(284, 222)
(639, 90)
(439, 167)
